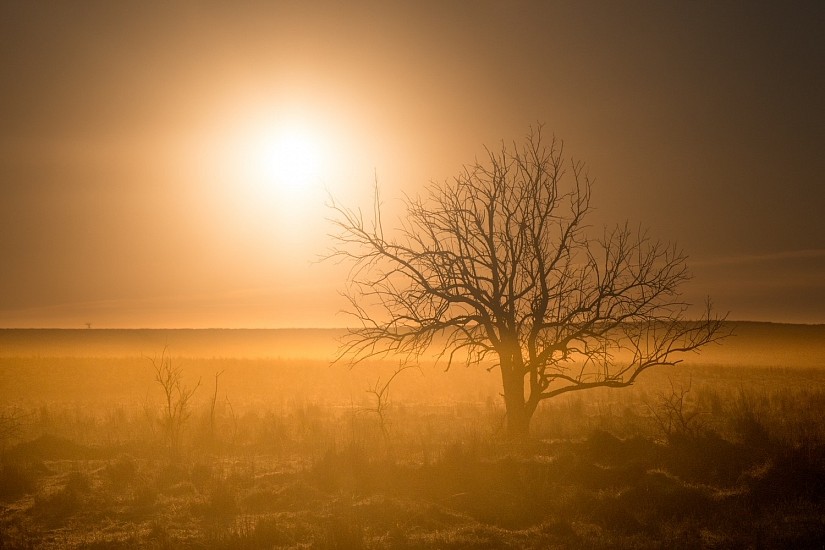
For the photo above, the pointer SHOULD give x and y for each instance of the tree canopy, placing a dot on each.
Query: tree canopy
(500, 266)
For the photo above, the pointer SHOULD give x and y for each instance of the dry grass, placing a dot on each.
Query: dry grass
(292, 457)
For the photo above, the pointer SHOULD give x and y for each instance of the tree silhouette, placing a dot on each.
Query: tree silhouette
(499, 266)
(176, 408)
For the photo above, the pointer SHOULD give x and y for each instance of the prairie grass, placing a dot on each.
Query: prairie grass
(290, 454)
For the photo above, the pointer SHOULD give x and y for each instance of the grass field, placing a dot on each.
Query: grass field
(282, 450)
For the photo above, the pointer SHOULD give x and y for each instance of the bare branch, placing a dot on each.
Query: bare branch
(499, 265)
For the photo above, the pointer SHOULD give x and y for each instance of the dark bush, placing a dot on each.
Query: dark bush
(16, 480)
(659, 497)
(54, 507)
(121, 471)
(708, 458)
(796, 473)
(342, 530)
(66, 500)
(264, 533)
(219, 503)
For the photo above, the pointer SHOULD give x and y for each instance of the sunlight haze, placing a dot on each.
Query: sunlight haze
(412, 274)
(166, 165)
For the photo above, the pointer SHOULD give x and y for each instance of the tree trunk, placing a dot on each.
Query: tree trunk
(518, 415)
(518, 421)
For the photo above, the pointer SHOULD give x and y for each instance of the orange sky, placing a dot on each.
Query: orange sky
(128, 196)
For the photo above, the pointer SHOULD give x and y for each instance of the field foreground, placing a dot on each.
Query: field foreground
(293, 453)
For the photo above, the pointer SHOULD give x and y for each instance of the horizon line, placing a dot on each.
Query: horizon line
(727, 321)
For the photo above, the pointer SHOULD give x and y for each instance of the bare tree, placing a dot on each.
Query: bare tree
(212, 405)
(672, 413)
(499, 266)
(381, 392)
(176, 408)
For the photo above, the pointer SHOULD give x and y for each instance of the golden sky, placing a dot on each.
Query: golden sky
(166, 164)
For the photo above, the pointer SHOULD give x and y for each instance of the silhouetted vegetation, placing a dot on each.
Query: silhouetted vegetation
(500, 268)
(705, 456)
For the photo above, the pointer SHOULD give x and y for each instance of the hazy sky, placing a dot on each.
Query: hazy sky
(143, 144)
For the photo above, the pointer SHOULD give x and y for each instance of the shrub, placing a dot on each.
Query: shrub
(121, 471)
(708, 458)
(342, 530)
(219, 503)
(797, 473)
(251, 534)
(16, 480)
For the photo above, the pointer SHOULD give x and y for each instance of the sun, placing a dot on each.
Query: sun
(289, 160)
(272, 173)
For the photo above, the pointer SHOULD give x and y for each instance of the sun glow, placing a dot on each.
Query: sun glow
(273, 171)
(289, 161)
(268, 174)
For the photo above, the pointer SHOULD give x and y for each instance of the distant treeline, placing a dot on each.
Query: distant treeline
(240, 343)
(754, 344)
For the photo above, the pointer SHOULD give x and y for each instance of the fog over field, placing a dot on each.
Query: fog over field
(269, 445)
(239, 343)
(757, 344)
